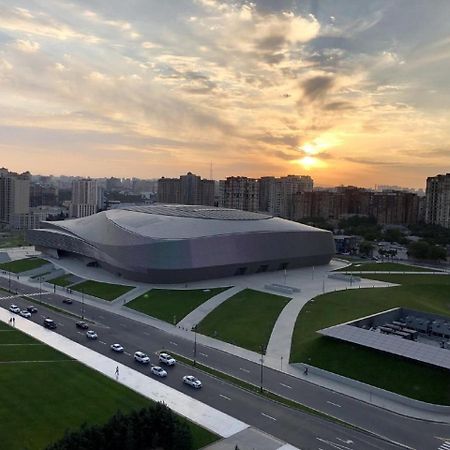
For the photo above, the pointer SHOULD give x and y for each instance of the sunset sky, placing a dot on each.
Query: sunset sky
(348, 91)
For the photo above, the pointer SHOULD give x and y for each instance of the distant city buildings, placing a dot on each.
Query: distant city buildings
(437, 209)
(189, 189)
(87, 198)
(239, 193)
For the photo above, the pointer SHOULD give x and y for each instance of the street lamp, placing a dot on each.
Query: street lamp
(262, 369)
(194, 328)
(82, 304)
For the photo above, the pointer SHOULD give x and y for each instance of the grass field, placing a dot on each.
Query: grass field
(421, 292)
(172, 305)
(32, 417)
(63, 280)
(383, 267)
(13, 240)
(106, 291)
(246, 319)
(23, 265)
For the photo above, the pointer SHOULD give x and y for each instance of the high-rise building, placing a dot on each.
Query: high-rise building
(14, 195)
(86, 198)
(395, 207)
(189, 189)
(43, 195)
(239, 193)
(437, 209)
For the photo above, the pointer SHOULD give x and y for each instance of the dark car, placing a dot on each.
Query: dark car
(82, 325)
(49, 323)
(67, 301)
(32, 309)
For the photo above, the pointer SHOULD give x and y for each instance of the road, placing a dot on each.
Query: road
(302, 430)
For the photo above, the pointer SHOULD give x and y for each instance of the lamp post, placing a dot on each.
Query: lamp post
(262, 369)
(82, 304)
(195, 342)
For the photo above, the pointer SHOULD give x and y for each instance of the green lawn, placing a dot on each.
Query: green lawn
(406, 377)
(383, 267)
(23, 265)
(172, 305)
(246, 319)
(106, 291)
(13, 240)
(32, 417)
(63, 280)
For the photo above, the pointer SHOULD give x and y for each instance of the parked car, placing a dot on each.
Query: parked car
(117, 348)
(25, 313)
(81, 324)
(192, 381)
(49, 323)
(32, 309)
(167, 359)
(67, 301)
(91, 334)
(158, 371)
(14, 309)
(141, 357)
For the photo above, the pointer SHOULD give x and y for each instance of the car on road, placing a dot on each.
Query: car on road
(192, 381)
(141, 357)
(81, 324)
(167, 359)
(67, 301)
(25, 313)
(117, 348)
(49, 323)
(158, 371)
(14, 309)
(32, 309)
(91, 334)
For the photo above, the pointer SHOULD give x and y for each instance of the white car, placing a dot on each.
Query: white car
(192, 381)
(117, 348)
(91, 334)
(141, 357)
(14, 309)
(25, 313)
(158, 371)
(166, 359)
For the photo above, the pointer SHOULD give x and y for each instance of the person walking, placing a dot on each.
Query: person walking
(306, 370)
(117, 372)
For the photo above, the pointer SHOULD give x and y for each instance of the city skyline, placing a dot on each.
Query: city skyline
(346, 93)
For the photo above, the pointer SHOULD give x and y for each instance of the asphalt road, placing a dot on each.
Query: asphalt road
(302, 430)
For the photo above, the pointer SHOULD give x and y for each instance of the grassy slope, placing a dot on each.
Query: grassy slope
(421, 292)
(383, 267)
(23, 265)
(106, 291)
(166, 304)
(246, 319)
(32, 417)
(63, 280)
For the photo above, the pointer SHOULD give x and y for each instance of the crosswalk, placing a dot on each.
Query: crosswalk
(445, 446)
(34, 294)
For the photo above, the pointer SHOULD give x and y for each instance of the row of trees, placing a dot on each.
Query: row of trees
(155, 427)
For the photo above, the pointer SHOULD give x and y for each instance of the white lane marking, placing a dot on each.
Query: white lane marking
(225, 397)
(79, 332)
(173, 343)
(128, 354)
(345, 441)
(445, 446)
(100, 317)
(60, 324)
(244, 370)
(147, 334)
(334, 404)
(101, 342)
(204, 354)
(286, 386)
(333, 444)
(269, 417)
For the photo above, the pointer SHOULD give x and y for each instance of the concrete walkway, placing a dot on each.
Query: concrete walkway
(210, 418)
(196, 316)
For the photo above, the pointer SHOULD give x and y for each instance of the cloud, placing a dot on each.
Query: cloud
(316, 88)
(27, 46)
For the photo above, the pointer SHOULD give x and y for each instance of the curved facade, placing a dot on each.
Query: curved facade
(181, 243)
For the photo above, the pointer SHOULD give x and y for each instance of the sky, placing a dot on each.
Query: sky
(349, 92)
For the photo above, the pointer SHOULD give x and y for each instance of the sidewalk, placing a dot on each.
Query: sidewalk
(212, 419)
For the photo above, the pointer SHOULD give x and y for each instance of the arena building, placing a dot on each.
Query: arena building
(180, 243)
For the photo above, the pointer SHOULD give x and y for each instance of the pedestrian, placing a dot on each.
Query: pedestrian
(117, 372)
(10, 320)
(14, 321)
(306, 370)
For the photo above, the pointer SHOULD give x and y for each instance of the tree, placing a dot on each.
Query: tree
(424, 250)
(365, 248)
